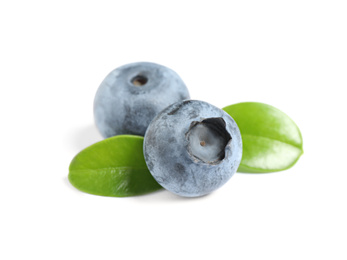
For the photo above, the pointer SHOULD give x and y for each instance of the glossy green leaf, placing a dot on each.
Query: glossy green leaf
(113, 167)
(271, 140)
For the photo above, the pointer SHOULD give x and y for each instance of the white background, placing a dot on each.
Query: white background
(289, 54)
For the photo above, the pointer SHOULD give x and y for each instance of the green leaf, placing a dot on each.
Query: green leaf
(113, 167)
(271, 140)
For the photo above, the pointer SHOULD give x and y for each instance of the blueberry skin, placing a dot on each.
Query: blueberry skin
(166, 150)
(132, 95)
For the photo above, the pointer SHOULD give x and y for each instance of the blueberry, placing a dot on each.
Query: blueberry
(192, 148)
(132, 95)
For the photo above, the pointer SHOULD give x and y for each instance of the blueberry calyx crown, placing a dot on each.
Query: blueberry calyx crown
(208, 139)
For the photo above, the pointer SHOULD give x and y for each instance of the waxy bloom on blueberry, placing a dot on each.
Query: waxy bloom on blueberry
(132, 95)
(192, 148)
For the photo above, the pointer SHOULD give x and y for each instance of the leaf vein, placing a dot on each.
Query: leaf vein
(273, 139)
(110, 168)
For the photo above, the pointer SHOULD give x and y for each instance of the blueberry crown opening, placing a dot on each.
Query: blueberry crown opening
(139, 80)
(208, 139)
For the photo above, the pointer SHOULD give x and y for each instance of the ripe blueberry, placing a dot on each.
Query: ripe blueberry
(132, 95)
(192, 148)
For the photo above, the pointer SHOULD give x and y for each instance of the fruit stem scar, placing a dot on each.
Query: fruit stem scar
(139, 80)
(202, 143)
